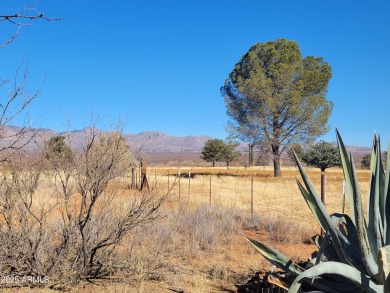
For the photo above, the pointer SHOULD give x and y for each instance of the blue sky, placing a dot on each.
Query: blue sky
(159, 65)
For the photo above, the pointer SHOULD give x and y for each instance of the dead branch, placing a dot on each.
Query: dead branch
(25, 17)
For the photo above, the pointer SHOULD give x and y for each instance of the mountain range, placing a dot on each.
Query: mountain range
(147, 141)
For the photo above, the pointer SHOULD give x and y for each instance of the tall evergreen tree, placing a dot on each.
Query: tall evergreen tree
(213, 150)
(276, 96)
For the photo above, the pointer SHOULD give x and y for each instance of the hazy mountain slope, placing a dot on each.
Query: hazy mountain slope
(147, 141)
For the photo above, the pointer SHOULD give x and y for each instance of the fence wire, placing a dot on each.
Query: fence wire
(254, 194)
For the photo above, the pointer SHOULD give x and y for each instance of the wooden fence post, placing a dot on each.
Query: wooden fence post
(252, 197)
(189, 183)
(132, 186)
(178, 173)
(144, 178)
(210, 190)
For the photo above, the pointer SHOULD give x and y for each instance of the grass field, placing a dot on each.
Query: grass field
(272, 197)
(196, 245)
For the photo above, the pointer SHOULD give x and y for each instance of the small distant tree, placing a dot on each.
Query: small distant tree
(57, 150)
(297, 148)
(230, 153)
(366, 161)
(322, 155)
(213, 150)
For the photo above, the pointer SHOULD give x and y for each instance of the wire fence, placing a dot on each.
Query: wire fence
(257, 193)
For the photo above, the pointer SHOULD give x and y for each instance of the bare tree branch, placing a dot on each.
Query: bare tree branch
(25, 17)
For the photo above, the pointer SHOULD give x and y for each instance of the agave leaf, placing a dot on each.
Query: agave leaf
(317, 239)
(375, 207)
(386, 192)
(323, 249)
(275, 257)
(380, 186)
(387, 285)
(319, 211)
(339, 269)
(316, 211)
(346, 228)
(332, 285)
(349, 239)
(350, 248)
(345, 162)
(384, 263)
(369, 260)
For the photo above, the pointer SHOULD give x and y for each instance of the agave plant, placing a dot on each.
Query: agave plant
(354, 254)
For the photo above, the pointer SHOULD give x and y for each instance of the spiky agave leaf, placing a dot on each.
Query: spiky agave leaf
(346, 164)
(275, 257)
(376, 200)
(356, 208)
(349, 239)
(384, 264)
(319, 211)
(333, 269)
(326, 250)
(386, 217)
(282, 262)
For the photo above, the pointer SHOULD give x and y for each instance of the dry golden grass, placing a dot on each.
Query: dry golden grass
(272, 197)
(169, 256)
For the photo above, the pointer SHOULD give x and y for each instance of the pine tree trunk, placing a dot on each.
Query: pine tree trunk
(276, 161)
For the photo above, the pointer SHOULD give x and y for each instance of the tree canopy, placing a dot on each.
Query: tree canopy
(216, 150)
(57, 150)
(366, 161)
(322, 155)
(229, 153)
(297, 149)
(212, 150)
(276, 96)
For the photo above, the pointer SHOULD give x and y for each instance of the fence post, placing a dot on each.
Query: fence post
(210, 190)
(189, 183)
(168, 180)
(139, 177)
(252, 197)
(178, 173)
(132, 178)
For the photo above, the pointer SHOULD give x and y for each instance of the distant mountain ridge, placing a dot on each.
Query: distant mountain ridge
(156, 141)
(146, 141)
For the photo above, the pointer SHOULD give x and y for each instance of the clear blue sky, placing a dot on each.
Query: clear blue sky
(159, 65)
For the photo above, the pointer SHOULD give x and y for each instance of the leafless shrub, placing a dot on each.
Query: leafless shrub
(23, 223)
(150, 251)
(94, 218)
(68, 222)
(278, 229)
(252, 222)
(281, 230)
